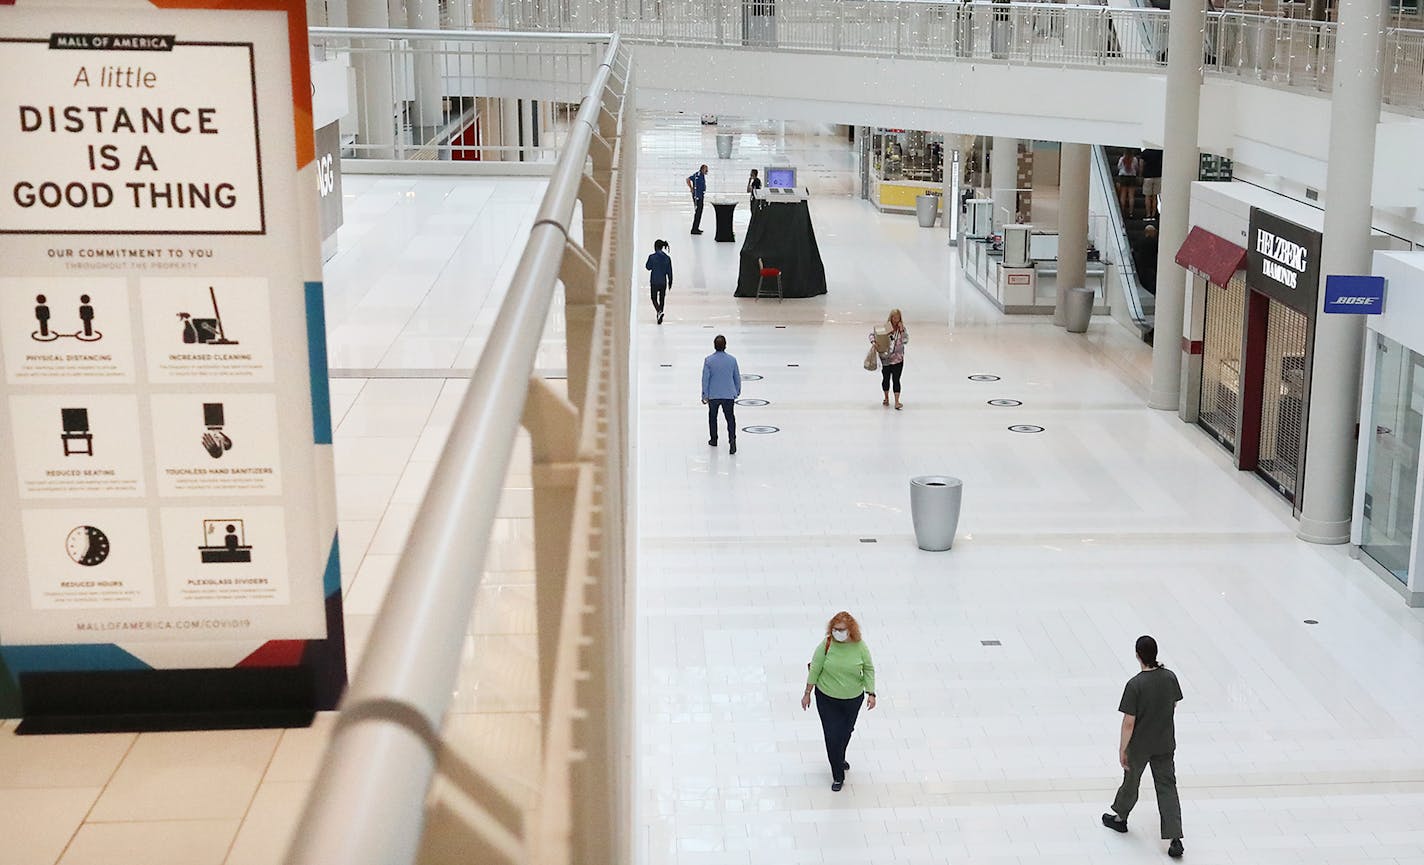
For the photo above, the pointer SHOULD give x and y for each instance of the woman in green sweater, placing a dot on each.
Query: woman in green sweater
(842, 675)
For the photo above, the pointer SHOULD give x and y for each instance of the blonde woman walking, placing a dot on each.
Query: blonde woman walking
(889, 340)
(843, 676)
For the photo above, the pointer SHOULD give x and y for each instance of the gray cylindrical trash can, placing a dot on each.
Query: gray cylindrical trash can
(1078, 309)
(934, 509)
(724, 145)
(926, 209)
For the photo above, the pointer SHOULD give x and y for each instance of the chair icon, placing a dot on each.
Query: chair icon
(76, 436)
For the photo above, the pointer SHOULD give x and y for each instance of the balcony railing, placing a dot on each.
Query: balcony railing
(1024, 33)
(368, 805)
(477, 96)
(1276, 51)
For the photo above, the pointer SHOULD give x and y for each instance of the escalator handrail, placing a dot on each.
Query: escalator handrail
(1127, 271)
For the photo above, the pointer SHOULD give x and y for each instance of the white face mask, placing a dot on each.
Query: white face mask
(841, 635)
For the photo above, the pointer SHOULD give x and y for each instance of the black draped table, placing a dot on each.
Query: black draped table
(724, 210)
(780, 234)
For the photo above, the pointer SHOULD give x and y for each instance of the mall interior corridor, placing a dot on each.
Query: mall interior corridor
(999, 663)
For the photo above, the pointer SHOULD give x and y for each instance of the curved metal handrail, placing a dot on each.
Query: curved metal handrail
(1127, 271)
(367, 804)
(983, 31)
(459, 35)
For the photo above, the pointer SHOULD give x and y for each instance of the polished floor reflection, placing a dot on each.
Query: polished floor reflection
(1000, 663)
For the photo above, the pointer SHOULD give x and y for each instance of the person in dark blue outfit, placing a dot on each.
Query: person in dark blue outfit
(660, 264)
(697, 184)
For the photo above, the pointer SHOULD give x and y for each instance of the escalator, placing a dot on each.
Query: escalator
(1124, 239)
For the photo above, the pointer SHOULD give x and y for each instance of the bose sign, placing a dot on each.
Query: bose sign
(1354, 295)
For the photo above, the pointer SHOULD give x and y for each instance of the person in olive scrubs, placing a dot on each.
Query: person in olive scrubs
(843, 676)
(1149, 738)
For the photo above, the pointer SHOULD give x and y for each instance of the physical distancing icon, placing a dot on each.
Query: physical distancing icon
(43, 316)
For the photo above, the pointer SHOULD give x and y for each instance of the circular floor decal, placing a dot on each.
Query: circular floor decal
(1025, 428)
(748, 376)
(761, 430)
(982, 377)
(753, 402)
(1004, 403)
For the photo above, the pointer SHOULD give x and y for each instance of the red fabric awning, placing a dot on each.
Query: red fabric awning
(1214, 257)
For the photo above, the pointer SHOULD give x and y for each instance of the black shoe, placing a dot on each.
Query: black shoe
(1114, 822)
(712, 442)
(836, 786)
(732, 449)
(660, 318)
(845, 766)
(1175, 849)
(696, 231)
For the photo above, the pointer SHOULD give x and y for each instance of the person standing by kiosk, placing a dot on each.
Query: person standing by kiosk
(697, 185)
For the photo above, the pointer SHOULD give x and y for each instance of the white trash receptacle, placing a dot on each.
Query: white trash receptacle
(1078, 309)
(934, 509)
(926, 209)
(724, 145)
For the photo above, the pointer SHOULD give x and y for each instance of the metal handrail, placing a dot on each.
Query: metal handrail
(982, 31)
(367, 803)
(1127, 272)
(459, 35)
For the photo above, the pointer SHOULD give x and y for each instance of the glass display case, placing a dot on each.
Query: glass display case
(903, 164)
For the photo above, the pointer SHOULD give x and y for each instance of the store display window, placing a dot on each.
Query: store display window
(1392, 461)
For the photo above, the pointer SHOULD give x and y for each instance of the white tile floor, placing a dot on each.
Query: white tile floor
(1298, 743)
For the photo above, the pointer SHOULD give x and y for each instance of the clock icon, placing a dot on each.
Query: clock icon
(87, 546)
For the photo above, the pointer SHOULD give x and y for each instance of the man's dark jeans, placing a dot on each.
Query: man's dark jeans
(729, 410)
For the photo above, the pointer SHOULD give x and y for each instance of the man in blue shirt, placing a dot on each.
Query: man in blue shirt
(660, 265)
(721, 385)
(697, 183)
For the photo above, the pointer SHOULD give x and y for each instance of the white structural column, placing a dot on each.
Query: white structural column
(331, 13)
(497, 117)
(1004, 179)
(376, 129)
(1179, 169)
(461, 14)
(513, 135)
(1327, 489)
(429, 93)
(1072, 224)
(949, 190)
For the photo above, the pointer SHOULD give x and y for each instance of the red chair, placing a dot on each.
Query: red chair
(768, 273)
